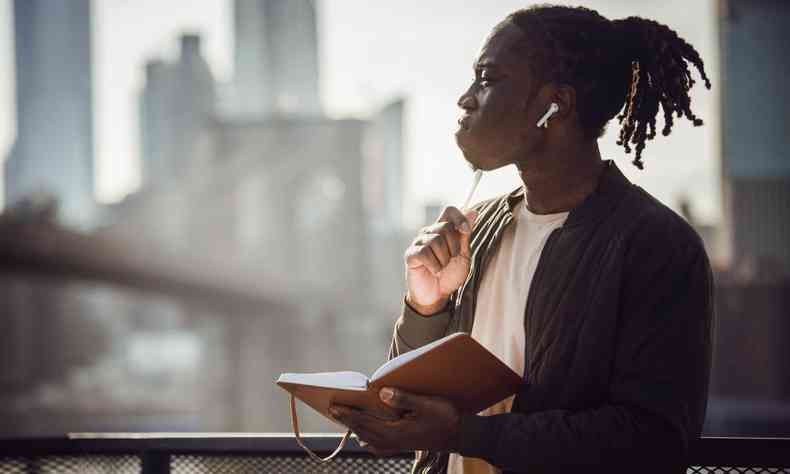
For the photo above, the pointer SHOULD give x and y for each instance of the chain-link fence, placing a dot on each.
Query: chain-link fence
(279, 455)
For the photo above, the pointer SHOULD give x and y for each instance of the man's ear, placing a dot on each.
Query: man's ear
(562, 95)
(565, 97)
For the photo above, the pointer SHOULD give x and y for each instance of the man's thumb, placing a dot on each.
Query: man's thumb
(398, 399)
(471, 216)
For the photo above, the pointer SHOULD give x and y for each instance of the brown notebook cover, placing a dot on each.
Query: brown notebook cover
(456, 367)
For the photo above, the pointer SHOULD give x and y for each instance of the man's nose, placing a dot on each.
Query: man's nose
(467, 100)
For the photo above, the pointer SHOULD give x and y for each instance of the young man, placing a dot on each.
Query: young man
(599, 295)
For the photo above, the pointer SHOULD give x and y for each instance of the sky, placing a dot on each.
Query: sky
(371, 52)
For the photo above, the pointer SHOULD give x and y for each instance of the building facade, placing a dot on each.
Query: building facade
(53, 151)
(755, 139)
(176, 103)
(275, 59)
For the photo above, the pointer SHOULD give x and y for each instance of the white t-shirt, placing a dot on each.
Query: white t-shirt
(501, 302)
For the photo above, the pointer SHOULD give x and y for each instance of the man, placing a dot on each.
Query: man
(599, 295)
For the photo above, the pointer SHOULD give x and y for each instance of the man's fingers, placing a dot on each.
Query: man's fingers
(437, 245)
(454, 229)
(401, 400)
(423, 256)
(457, 218)
(471, 216)
(447, 231)
(377, 451)
(359, 420)
(453, 239)
(351, 418)
(369, 430)
(463, 222)
(440, 249)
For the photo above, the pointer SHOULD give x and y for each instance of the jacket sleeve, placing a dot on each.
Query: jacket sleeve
(658, 391)
(412, 330)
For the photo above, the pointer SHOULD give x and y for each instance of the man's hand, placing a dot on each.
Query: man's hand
(438, 260)
(429, 423)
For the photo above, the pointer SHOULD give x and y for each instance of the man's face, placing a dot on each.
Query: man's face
(494, 128)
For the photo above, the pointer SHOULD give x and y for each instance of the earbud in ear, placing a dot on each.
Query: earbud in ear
(544, 121)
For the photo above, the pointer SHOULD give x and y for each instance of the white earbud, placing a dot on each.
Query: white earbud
(544, 121)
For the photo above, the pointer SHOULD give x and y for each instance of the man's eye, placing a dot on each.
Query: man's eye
(485, 79)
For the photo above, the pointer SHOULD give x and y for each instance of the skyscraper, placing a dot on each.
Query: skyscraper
(276, 58)
(383, 168)
(755, 139)
(177, 101)
(53, 152)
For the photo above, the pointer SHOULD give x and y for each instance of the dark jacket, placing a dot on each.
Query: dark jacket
(618, 339)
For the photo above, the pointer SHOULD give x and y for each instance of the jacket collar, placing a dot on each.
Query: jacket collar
(611, 187)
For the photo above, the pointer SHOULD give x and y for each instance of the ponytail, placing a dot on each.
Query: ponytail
(659, 75)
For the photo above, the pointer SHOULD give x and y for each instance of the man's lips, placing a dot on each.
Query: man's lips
(463, 122)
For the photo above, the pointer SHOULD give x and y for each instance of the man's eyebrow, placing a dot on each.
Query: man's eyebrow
(484, 64)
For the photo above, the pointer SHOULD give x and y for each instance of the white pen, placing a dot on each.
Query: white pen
(478, 175)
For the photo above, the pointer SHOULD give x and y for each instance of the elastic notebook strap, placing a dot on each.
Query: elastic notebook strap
(313, 456)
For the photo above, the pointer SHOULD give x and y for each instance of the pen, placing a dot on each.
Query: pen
(476, 181)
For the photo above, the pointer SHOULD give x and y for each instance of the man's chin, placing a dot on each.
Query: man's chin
(476, 162)
(473, 158)
(469, 158)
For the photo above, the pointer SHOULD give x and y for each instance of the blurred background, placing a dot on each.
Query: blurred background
(201, 194)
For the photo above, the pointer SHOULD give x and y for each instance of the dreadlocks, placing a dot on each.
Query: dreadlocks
(630, 66)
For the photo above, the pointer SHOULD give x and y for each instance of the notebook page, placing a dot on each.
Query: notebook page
(342, 380)
(409, 356)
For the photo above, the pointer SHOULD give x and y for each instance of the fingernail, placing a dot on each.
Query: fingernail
(334, 411)
(465, 228)
(386, 394)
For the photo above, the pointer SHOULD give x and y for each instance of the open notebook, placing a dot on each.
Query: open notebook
(455, 367)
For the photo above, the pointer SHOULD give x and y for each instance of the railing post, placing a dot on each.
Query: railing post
(155, 462)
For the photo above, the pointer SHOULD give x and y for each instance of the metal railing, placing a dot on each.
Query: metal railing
(155, 453)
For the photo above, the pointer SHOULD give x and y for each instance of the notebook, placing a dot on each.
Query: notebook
(455, 367)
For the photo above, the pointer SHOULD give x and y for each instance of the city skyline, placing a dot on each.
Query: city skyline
(272, 239)
(367, 57)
